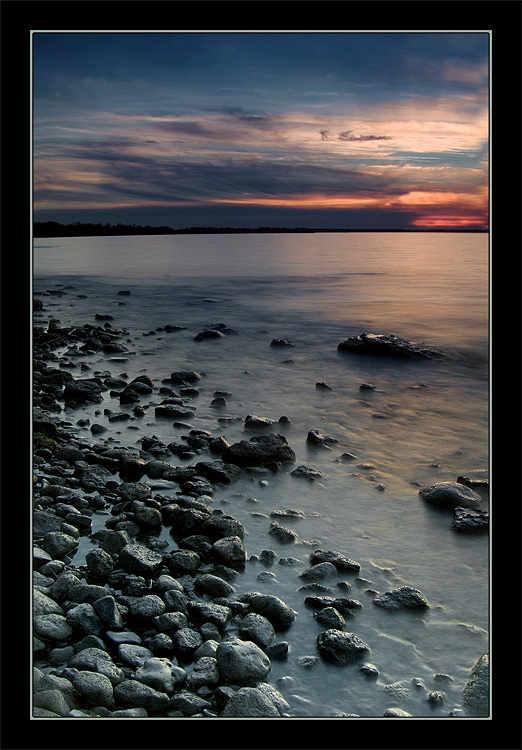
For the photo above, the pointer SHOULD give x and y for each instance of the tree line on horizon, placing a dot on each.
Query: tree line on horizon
(87, 229)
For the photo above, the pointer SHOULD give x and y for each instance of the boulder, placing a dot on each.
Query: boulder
(135, 694)
(258, 629)
(280, 614)
(242, 662)
(135, 558)
(341, 562)
(450, 495)
(340, 646)
(95, 689)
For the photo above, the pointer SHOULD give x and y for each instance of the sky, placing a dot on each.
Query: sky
(362, 130)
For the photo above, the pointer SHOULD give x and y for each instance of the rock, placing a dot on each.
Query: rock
(340, 646)
(281, 533)
(229, 551)
(341, 562)
(319, 572)
(92, 477)
(135, 558)
(95, 689)
(250, 702)
(173, 411)
(52, 701)
(99, 562)
(405, 597)
(257, 628)
(135, 694)
(44, 605)
(475, 696)
(218, 471)
(188, 703)
(220, 526)
(388, 346)
(186, 641)
(108, 611)
(467, 519)
(341, 603)
(161, 674)
(204, 672)
(53, 627)
(201, 612)
(143, 608)
(254, 423)
(58, 544)
(280, 343)
(133, 655)
(208, 333)
(329, 617)
(259, 450)
(397, 712)
(185, 376)
(212, 585)
(99, 661)
(314, 437)
(305, 472)
(84, 618)
(280, 614)
(242, 662)
(82, 391)
(450, 495)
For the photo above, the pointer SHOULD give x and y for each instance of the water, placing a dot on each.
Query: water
(425, 422)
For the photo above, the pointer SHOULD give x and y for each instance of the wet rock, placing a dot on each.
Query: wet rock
(133, 655)
(340, 646)
(259, 450)
(208, 333)
(318, 572)
(475, 696)
(340, 561)
(329, 617)
(218, 471)
(186, 641)
(81, 391)
(213, 585)
(254, 423)
(388, 346)
(174, 411)
(280, 614)
(205, 672)
(281, 533)
(52, 627)
(229, 551)
(161, 674)
(107, 609)
(280, 343)
(242, 662)
(315, 437)
(222, 525)
(59, 544)
(341, 603)
(305, 472)
(467, 519)
(396, 712)
(405, 597)
(450, 495)
(189, 703)
(83, 617)
(257, 628)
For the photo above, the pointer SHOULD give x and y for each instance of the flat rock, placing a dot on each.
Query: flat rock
(259, 450)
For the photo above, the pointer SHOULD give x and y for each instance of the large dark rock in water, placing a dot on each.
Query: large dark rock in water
(450, 495)
(259, 450)
(379, 344)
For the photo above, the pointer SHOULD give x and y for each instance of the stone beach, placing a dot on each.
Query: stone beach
(140, 631)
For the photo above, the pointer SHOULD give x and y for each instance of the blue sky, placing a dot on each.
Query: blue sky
(319, 129)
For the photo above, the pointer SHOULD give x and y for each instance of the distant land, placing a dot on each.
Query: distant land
(80, 229)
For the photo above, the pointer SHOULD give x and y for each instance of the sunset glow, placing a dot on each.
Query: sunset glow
(188, 127)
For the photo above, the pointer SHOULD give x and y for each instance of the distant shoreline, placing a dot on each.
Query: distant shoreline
(81, 229)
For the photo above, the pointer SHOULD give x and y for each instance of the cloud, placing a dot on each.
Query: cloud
(347, 135)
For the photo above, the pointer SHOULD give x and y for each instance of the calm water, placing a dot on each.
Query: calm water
(426, 422)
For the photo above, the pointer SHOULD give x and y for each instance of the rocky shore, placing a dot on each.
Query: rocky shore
(139, 631)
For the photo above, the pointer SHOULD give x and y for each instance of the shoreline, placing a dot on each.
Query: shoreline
(168, 614)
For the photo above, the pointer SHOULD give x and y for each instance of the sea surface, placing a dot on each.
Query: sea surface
(425, 422)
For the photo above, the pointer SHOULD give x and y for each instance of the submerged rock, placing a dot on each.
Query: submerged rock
(467, 519)
(389, 346)
(340, 646)
(259, 450)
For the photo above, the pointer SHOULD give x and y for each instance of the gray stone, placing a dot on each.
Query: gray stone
(220, 526)
(204, 672)
(86, 592)
(161, 674)
(318, 572)
(280, 614)
(135, 694)
(112, 541)
(53, 627)
(58, 544)
(186, 641)
(44, 605)
(388, 345)
(340, 561)
(133, 655)
(230, 551)
(99, 562)
(329, 617)
(405, 597)
(145, 607)
(84, 617)
(170, 622)
(242, 662)
(96, 689)
(189, 703)
(217, 614)
(207, 583)
(281, 533)
(107, 609)
(306, 472)
(135, 558)
(450, 495)
(250, 702)
(396, 712)
(51, 700)
(475, 696)
(468, 519)
(340, 646)
(257, 628)
(99, 661)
